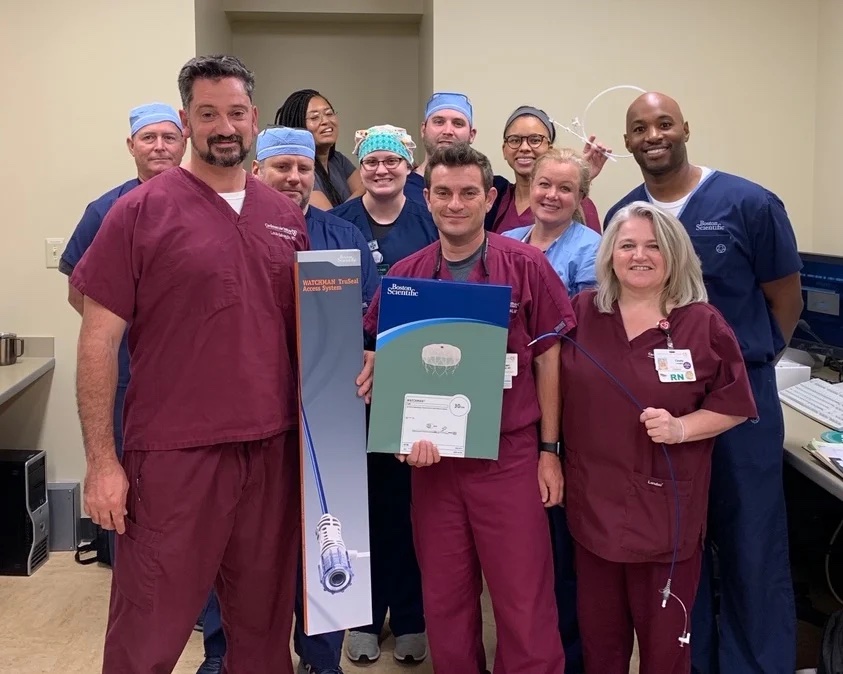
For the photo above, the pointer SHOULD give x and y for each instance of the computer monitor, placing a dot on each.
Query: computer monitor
(820, 329)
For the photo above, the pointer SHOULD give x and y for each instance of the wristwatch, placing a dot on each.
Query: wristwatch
(551, 447)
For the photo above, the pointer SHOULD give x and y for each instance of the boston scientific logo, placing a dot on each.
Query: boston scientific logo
(406, 291)
(346, 259)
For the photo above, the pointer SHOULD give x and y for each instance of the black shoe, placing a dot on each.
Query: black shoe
(212, 665)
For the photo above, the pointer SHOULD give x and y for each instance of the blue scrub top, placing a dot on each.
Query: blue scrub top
(744, 238)
(79, 242)
(412, 231)
(414, 188)
(328, 232)
(572, 255)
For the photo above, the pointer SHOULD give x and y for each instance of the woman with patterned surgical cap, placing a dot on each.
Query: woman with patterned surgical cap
(394, 227)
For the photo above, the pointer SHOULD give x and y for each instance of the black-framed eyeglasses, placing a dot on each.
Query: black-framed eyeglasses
(371, 164)
(533, 140)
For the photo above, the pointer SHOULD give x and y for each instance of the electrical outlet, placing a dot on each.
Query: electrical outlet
(53, 248)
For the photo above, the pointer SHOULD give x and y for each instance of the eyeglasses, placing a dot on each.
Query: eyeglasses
(371, 164)
(317, 116)
(533, 140)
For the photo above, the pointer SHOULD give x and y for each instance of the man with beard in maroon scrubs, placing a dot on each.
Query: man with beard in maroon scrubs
(471, 515)
(649, 324)
(198, 262)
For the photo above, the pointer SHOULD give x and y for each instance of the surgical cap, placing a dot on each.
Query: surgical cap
(541, 115)
(385, 138)
(286, 141)
(152, 113)
(450, 101)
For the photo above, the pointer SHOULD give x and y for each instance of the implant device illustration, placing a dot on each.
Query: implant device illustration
(441, 359)
(335, 570)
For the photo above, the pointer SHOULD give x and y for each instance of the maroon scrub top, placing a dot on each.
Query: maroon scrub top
(539, 305)
(209, 297)
(619, 496)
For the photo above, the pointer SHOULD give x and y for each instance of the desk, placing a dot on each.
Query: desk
(799, 430)
(15, 378)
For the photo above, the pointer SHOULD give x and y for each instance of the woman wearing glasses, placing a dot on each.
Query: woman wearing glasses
(337, 180)
(528, 134)
(395, 227)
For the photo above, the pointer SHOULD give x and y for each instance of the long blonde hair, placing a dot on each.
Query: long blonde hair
(568, 156)
(683, 272)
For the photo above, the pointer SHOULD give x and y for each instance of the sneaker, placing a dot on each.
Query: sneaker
(362, 647)
(410, 648)
(211, 665)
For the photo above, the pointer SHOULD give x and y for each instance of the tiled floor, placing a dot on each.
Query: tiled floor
(54, 621)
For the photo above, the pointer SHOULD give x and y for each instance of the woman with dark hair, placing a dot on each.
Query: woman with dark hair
(527, 135)
(337, 180)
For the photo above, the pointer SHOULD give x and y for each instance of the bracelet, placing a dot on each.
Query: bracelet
(682, 426)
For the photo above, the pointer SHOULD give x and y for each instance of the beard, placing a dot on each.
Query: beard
(228, 157)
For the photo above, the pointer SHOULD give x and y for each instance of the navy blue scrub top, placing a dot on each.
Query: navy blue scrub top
(328, 232)
(79, 242)
(411, 231)
(414, 188)
(744, 238)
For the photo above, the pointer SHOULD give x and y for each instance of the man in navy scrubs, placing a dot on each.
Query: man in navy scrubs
(157, 143)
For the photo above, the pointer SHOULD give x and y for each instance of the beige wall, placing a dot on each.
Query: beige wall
(744, 72)
(754, 77)
(73, 71)
(330, 58)
(211, 27)
(828, 161)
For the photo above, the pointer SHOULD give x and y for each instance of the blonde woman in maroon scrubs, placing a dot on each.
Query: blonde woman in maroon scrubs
(648, 323)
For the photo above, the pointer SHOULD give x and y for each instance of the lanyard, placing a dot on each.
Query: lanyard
(664, 326)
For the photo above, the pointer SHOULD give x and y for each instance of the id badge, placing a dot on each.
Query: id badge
(510, 369)
(674, 365)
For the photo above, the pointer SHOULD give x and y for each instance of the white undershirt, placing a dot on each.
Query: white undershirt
(675, 207)
(234, 199)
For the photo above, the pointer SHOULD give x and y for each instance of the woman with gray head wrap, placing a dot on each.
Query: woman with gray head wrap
(528, 134)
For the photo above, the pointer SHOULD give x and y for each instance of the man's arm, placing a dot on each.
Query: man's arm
(96, 383)
(784, 296)
(547, 387)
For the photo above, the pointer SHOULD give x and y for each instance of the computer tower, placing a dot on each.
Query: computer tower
(65, 510)
(24, 512)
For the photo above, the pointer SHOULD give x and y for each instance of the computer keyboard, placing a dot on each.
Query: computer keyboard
(818, 400)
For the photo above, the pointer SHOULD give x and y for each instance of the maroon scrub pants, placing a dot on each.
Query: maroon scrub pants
(613, 599)
(474, 518)
(226, 516)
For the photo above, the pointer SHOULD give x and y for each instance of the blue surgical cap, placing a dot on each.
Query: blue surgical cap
(445, 100)
(152, 113)
(286, 141)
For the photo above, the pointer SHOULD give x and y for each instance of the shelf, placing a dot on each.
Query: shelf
(15, 378)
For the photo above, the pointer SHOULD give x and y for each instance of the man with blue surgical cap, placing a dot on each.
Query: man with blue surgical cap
(448, 119)
(157, 143)
(285, 161)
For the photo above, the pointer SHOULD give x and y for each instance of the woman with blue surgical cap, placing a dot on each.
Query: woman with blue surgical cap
(395, 227)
